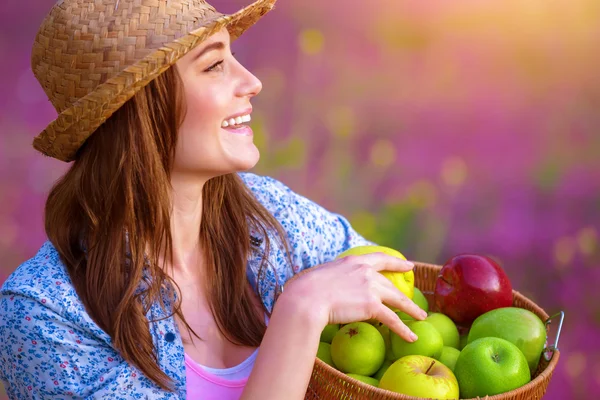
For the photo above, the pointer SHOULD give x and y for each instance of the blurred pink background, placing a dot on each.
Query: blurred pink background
(436, 127)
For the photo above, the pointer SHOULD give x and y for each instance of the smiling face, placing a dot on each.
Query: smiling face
(214, 137)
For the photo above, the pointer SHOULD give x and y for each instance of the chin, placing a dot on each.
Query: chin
(245, 167)
(246, 161)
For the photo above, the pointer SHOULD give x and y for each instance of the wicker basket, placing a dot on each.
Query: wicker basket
(328, 383)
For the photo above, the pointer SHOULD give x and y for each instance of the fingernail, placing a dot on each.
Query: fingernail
(410, 264)
(423, 314)
(413, 337)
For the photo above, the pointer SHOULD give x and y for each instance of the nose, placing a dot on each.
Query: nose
(250, 85)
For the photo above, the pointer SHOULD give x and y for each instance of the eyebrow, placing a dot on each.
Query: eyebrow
(210, 47)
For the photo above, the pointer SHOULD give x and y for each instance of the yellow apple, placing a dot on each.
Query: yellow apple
(420, 376)
(404, 281)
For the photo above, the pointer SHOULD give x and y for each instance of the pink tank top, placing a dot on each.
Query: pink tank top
(207, 383)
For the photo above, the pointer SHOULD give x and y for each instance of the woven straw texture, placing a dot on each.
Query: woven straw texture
(91, 56)
(328, 384)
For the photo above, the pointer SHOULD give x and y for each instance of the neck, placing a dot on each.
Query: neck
(186, 218)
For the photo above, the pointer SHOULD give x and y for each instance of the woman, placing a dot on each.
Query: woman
(164, 257)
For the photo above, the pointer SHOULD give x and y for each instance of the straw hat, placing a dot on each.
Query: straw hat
(91, 56)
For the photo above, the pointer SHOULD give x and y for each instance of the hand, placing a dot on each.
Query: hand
(351, 289)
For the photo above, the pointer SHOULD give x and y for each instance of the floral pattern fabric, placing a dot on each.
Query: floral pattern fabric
(50, 348)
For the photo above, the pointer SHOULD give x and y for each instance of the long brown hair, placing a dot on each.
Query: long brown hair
(112, 209)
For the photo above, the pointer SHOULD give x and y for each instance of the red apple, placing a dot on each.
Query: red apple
(469, 285)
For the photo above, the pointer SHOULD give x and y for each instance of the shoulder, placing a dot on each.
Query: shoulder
(293, 210)
(43, 283)
(43, 276)
(268, 191)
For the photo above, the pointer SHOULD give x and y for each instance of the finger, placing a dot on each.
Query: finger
(382, 262)
(392, 321)
(393, 297)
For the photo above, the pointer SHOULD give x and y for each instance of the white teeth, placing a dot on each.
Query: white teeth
(236, 121)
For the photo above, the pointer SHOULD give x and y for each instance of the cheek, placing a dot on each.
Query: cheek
(199, 110)
(198, 137)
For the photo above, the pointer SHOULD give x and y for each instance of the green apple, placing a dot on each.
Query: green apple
(446, 327)
(420, 376)
(429, 342)
(365, 379)
(358, 348)
(324, 353)
(385, 333)
(420, 300)
(519, 326)
(490, 366)
(449, 356)
(404, 281)
(329, 332)
(386, 364)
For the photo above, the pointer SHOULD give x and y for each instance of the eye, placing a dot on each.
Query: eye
(215, 66)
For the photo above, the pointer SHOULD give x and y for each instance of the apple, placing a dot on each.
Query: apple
(324, 353)
(420, 300)
(358, 348)
(429, 342)
(449, 356)
(469, 285)
(404, 281)
(446, 327)
(329, 332)
(490, 366)
(519, 326)
(385, 334)
(420, 376)
(366, 379)
(386, 364)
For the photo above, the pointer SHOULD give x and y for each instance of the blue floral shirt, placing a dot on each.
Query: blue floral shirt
(50, 348)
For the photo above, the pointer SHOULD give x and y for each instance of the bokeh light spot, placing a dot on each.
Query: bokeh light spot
(311, 41)
(564, 251)
(383, 153)
(454, 171)
(341, 121)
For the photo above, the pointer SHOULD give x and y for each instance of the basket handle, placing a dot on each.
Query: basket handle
(549, 350)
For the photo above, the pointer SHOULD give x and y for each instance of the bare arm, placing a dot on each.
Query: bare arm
(287, 353)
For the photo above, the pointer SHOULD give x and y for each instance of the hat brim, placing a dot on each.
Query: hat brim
(66, 134)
